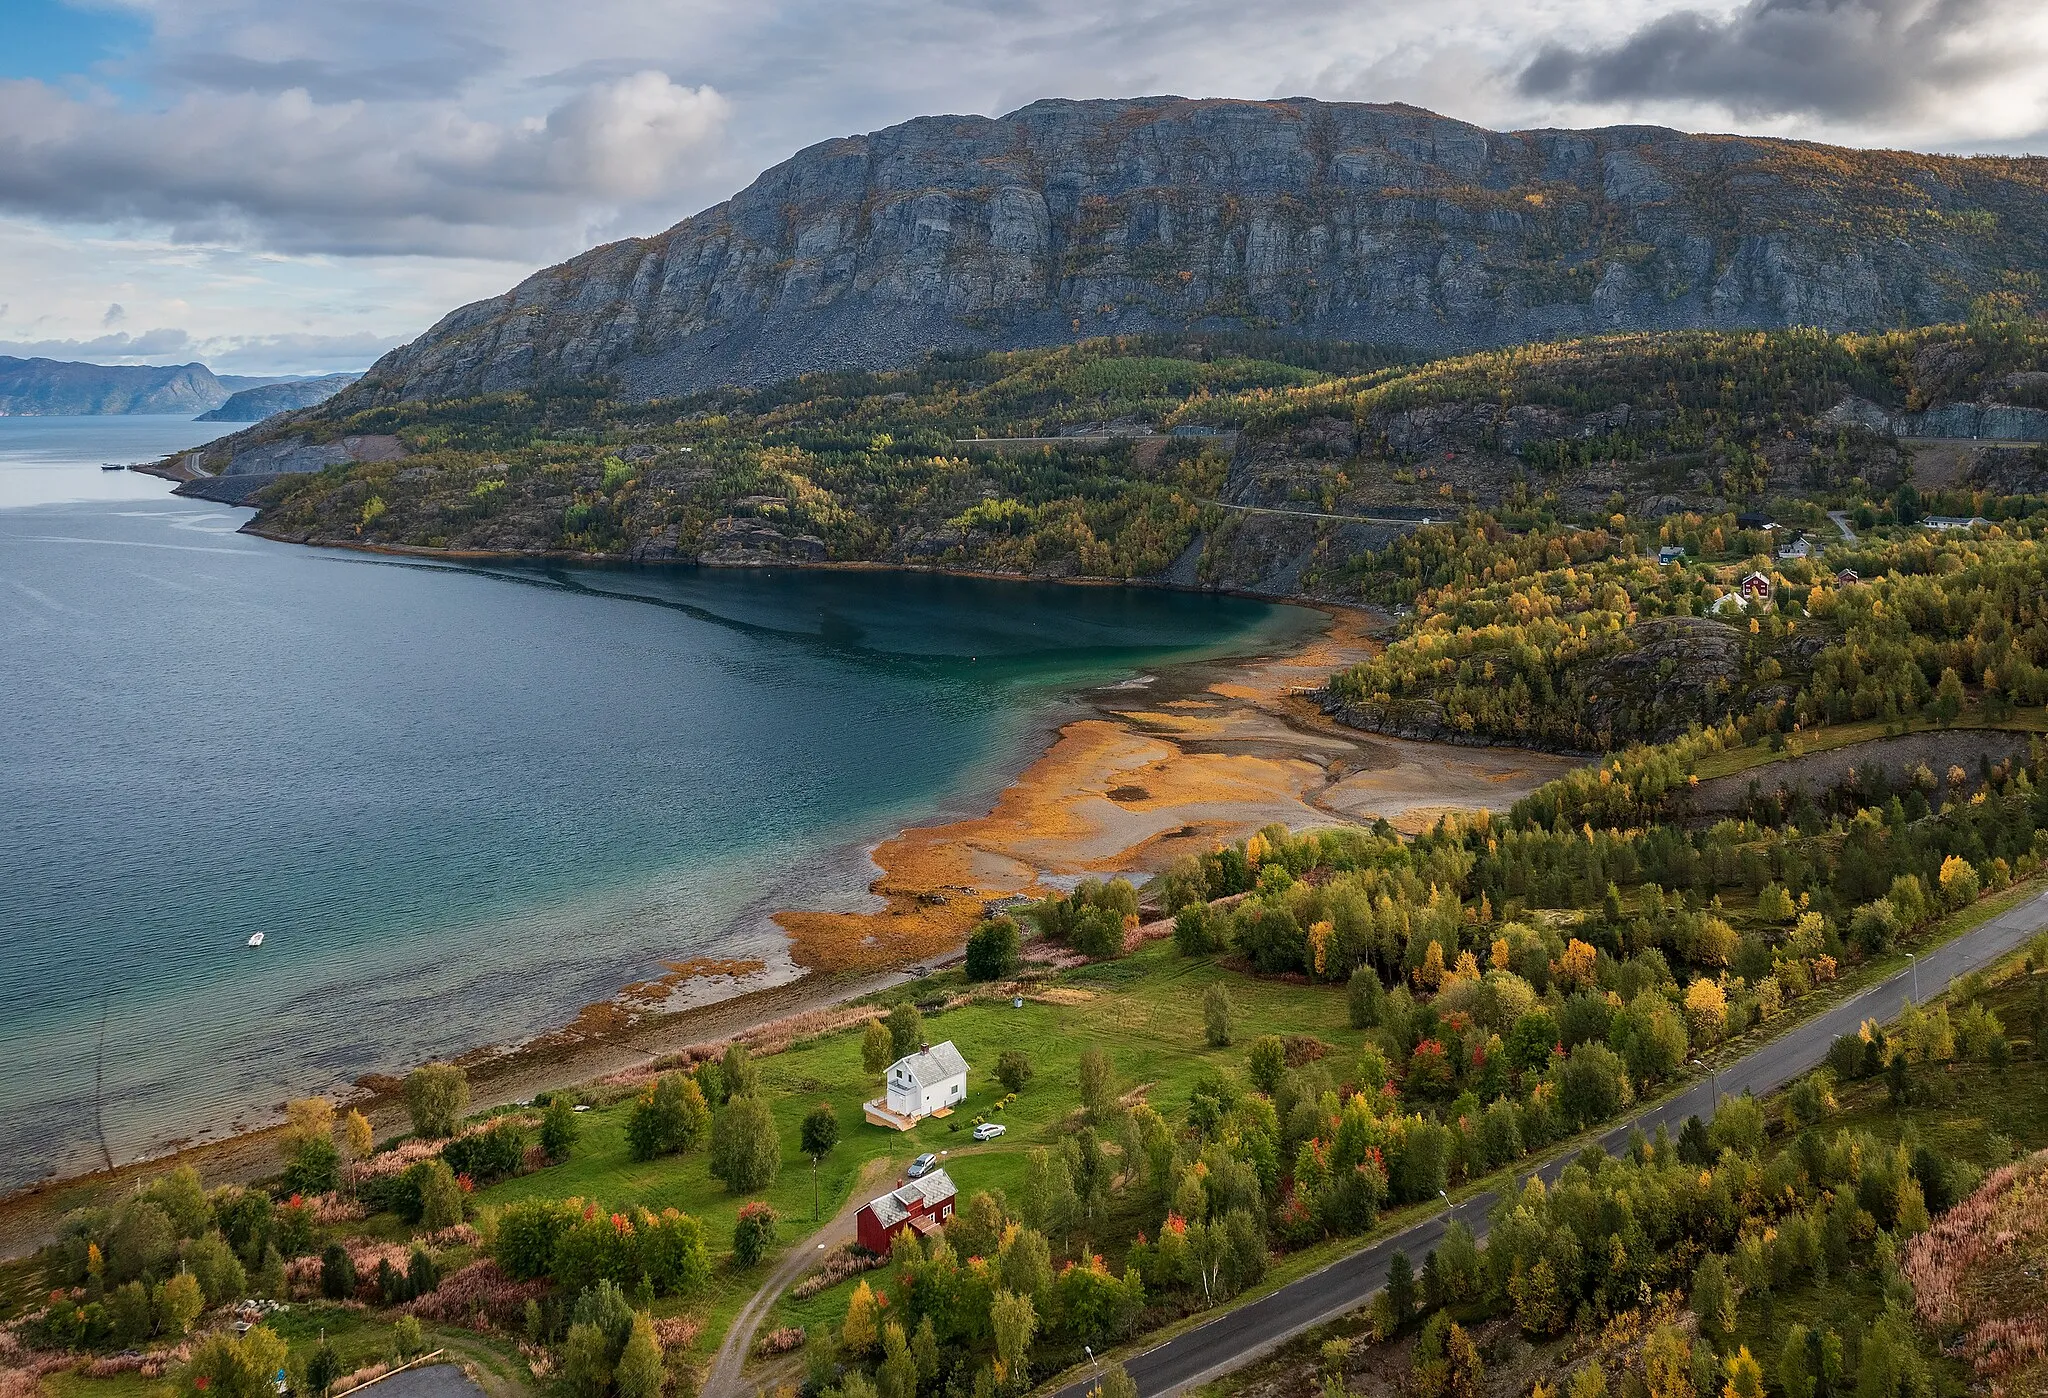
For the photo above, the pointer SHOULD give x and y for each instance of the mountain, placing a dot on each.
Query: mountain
(278, 396)
(51, 388)
(1378, 224)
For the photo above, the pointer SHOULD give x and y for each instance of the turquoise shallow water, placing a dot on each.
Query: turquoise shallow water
(460, 802)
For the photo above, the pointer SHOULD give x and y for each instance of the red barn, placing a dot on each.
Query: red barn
(923, 1205)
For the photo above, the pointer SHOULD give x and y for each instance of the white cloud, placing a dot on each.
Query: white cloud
(283, 171)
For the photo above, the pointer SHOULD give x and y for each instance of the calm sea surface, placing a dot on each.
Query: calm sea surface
(460, 802)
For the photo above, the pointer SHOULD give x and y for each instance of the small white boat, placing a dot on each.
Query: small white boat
(255, 939)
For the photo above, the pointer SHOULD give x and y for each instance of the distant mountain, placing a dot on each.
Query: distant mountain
(53, 388)
(1386, 225)
(280, 396)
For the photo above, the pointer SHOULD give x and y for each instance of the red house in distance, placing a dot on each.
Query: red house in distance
(922, 1205)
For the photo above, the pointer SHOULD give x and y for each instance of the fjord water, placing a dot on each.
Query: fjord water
(460, 802)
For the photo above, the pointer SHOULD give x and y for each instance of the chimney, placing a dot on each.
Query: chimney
(924, 1048)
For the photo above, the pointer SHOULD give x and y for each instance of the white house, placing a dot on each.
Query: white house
(932, 1079)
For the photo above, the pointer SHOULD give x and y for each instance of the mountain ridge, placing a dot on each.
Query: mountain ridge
(42, 387)
(1383, 224)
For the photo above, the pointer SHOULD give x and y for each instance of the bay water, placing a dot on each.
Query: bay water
(459, 801)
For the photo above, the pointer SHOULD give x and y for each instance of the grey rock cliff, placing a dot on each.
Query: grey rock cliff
(1373, 223)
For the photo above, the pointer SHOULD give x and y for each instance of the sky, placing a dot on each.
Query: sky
(277, 186)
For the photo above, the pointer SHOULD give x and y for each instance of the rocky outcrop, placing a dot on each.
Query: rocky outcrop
(255, 404)
(1346, 221)
(1991, 422)
(234, 473)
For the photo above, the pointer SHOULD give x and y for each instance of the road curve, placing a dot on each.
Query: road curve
(1238, 1336)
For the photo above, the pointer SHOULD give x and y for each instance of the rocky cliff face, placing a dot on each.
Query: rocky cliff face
(1376, 223)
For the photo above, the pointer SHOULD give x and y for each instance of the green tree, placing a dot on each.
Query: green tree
(586, 1361)
(897, 1377)
(559, 1128)
(440, 1195)
(1013, 1069)
(668, 1117)
(437, 1098)
(1363, 996)
(745, 1151)
(994, 950)
(1401, 1287)
(1116, 1382)
(741, 1074)
(1097, 1082)
(1795, 1370)
(1267, 1062)
(1218, 1015)
(877, 1048)
(753, 1232)
(406, 1335)
(820, 1133)
(1947, 704)
(178, 1303)
(128, 1311)
(337, 1273)
(1713, 1299)
(906, 1030)
(323, 1367)
(223, 1366)
(639, 1371)
(1015, 1322)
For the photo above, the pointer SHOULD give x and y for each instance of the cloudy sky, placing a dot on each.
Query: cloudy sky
(284, 186)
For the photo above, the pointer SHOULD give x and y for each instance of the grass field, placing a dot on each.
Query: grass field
(1144, 1011)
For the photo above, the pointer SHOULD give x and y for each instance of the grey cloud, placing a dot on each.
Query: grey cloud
(150, 344)
(332, 52)
(1838, 59)
(288, 172)
(291, 354)
(116, 313)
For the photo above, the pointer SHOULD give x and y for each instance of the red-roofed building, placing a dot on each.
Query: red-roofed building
(921, 1205)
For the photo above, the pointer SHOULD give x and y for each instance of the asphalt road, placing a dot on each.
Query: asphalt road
(1237, 1337)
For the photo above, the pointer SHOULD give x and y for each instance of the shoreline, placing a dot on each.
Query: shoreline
(1151, 767)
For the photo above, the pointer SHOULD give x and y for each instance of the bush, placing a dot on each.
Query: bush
(528, 1230)
(1013, 1069)
(315, 1167)
(437, 1098)
(753, 1233)
(994, 950)
(487, 1155)
(1098, 933)
(559, 1128)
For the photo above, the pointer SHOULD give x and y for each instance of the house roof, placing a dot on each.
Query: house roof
(931, 1066)
(898, 1204)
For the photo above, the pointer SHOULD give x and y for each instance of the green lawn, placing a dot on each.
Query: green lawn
(1145, 1011)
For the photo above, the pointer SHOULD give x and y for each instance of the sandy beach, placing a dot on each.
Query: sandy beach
(1157, 766)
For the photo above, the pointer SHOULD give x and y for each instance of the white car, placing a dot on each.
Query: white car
(989, 1130)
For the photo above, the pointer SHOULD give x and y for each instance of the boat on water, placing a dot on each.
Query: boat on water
(112, 466)
(255, 939)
